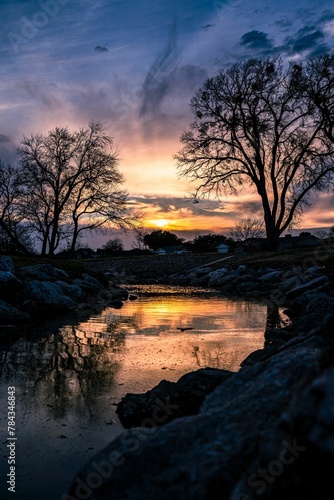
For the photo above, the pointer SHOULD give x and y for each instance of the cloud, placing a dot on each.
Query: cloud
(101, 49)
(256, 40)
(5, 138)
(207, 27)
(306, 38)
(156, 81)
(327, 15)
(285, 23)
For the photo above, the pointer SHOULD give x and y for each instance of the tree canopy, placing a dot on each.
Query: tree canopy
(208, 242)
(248, 228)
(66, 183)
(160, 238)
(267, 125)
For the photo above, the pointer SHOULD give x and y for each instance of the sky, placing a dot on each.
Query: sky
(134, 66)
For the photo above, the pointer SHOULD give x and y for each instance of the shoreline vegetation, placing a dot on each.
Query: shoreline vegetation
(265, 431)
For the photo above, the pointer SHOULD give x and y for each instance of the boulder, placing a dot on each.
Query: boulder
(185, 397)
(298, 460)
(315, 284)
(11, 289)
(272, 277)
(6, 264)
(49, 297)
(10, 315)
(319, 303)
(43, 272)
(89, 284)
(223, 276)
(73, 291)
(216, 453)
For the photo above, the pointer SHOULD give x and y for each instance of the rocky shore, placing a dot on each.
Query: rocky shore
(43, 291)
(266, 431)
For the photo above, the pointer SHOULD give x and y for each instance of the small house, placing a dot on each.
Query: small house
(222, 248)
(304, 240)
(178, 249)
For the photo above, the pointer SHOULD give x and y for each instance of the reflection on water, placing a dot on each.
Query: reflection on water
(69, 380)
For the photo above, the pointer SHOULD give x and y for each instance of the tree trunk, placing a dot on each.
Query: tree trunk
(54, 234)
(271, 233)
(74, 238)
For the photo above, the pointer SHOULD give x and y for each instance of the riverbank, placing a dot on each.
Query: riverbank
(43, 291)
(264, 432)
(159, 268)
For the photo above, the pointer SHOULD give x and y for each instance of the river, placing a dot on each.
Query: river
(68, 380)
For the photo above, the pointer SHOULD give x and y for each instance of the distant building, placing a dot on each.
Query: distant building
(304, 240)
(222, 248)
(178, 249)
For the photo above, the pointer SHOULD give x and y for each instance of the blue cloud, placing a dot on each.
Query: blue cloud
(256, 40)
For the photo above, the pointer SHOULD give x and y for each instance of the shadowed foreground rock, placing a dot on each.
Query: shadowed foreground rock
(266, 432)
(185, 397)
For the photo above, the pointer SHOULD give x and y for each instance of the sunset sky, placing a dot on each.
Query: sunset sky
(134, 65)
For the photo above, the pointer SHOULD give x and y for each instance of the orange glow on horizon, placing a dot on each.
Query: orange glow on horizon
(159, 222)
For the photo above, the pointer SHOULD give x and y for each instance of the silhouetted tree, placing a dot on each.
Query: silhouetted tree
(14, 232)
(70, 183)
(248, 228)
(255, 124)
(160, 238)
(113, 245)
(319, 87)
(207, 242)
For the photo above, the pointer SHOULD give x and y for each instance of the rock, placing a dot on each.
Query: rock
(6, 264)
(216, 275)
(73, 291)
(184, 397)
(49, 297)
(320, 302)
(314, 284)
(9, 314)
(11, 288)
(89, 287)
(118, 293)
(310, 322)
(247, 286)
(132, 297)
(299, 458)
(43, 272)
(201, 271)
(213, 454)
(313, 271)
(116, 304)
(272, 277)
(290, 283)
(223, 276)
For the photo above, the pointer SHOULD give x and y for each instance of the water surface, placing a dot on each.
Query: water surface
(68, 380)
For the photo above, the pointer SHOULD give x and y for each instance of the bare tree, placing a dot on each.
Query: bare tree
(70, 183)
(255, 125)
(248, 228)
(13, 231)
(319, 86)
(113, 245)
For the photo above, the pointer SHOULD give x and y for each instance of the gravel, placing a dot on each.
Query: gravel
(153, 267)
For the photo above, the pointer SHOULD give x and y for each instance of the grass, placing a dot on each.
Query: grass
(322, 255)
